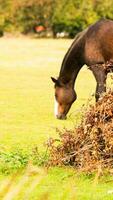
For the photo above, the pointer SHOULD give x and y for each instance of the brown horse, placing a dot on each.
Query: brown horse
(93, 47)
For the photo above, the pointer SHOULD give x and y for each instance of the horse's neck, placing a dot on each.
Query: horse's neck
(71, 65)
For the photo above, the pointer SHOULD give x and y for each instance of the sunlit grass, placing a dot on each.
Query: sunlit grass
(56, 183)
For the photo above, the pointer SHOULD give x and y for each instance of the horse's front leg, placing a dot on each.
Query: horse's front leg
(100, 76)
(100, 88)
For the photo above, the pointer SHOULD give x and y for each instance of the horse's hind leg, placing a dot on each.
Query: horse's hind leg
(100, 76)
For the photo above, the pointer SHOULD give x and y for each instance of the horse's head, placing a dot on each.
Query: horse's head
(64, 97)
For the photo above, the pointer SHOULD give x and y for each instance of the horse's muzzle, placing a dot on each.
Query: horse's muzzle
(61, 116)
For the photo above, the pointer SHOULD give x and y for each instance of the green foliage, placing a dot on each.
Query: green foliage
(12, 161)
(58, 15)
(41, 158)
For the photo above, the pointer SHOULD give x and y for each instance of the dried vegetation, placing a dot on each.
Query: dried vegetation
(90, 145)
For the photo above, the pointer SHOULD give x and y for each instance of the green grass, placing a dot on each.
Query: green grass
(27, 115)
(55, 184)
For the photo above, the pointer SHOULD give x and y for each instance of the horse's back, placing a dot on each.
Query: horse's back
(99, 42)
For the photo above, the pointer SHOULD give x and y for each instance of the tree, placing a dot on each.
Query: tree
(58, 15)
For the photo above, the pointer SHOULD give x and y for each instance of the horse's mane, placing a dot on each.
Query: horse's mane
(80, 35)
(77, 38)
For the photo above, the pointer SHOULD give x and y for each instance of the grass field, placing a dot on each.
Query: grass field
(27, 119)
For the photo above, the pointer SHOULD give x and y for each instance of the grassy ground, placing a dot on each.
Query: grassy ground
(54, 184)
(27, 118)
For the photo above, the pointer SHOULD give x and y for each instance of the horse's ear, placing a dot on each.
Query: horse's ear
(55, 81)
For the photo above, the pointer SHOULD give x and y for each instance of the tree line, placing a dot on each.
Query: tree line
(70, 16)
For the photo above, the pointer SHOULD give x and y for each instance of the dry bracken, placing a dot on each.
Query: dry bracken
(89, 145)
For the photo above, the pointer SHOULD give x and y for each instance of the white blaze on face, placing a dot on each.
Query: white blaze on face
(56, 108)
